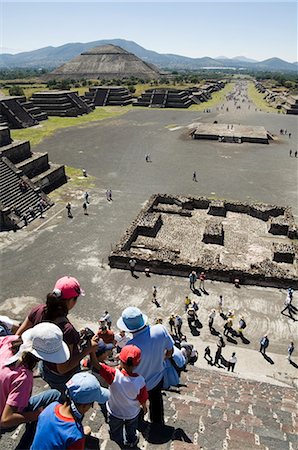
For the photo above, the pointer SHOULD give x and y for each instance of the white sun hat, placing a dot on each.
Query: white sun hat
(45, 341)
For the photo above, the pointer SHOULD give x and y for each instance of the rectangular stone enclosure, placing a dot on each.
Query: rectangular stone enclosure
(173, 235)
(231, 133)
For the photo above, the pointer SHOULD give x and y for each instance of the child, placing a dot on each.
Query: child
(128, 394)
(60, 426)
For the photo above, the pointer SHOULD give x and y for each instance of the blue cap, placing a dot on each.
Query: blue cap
(132, 319)
(84, 388)
(102, 347)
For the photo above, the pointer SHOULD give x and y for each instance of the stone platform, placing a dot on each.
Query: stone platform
(173, 235)
(223, 132)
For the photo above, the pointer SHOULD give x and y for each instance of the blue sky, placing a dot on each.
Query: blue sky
(259, 29)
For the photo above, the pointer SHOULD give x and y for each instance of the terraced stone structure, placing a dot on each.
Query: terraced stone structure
(164, 98)
(60, 103)
(17, 112)
(231, 133)
(173, 235)
(108, 96)
(105, 62)
(25, 178)
(291, 106)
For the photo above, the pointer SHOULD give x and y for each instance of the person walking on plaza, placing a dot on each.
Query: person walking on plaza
(128, 395)
(132, 264)
(232, 362)
(154, 294)
(194, 176)
(60, 425)
(69, 212)
(85, 208)
(172, 324)
(264, 343)
(187, 302)
(241, 326)
(192, 280)
(202, 278)
(207, 355)
(211, 320)
(178, 325)
(291, 349)
(220, 304)
(228, 327)
(156, 345)
(86, 197)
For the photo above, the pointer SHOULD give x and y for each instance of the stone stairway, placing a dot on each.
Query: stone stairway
(210, 411)
(14, 199)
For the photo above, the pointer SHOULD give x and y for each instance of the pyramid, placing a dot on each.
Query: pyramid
(108, 62)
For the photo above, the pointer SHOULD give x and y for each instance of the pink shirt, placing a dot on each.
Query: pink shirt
(15, 382)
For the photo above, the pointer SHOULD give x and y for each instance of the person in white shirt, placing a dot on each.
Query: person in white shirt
(121, 340)
(232, 362)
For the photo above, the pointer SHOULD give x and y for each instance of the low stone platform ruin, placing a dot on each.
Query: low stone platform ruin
(223, 132)
(173, 235)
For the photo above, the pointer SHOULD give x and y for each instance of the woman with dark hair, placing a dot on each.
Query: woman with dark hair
(63, 298)
(18, 358)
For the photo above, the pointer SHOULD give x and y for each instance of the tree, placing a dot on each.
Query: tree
(16, 90)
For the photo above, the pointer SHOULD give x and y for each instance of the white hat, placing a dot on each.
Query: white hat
(45, 341)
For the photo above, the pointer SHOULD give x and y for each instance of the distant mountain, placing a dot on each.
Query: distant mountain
(244, 59)
(52, 57)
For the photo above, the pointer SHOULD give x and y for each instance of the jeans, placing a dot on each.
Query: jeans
(156, 404)
(37, 401)
(124, 432)
(55, 381)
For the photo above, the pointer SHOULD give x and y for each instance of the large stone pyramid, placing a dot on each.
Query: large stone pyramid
(105, 61)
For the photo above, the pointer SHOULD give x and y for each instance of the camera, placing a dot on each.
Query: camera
(86, 336)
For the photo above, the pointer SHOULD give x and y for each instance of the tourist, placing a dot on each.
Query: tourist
(18, 358)
(69, 212)
(154, 294)
(290, 135)
(295, 154)
(202, 278)
(187, 302)
(58, 304)
(232, 362)
(110, 195)
(191, 316)
(107, 319)
(264, 343)
(178, 325)
(290, 152)
(291, 349)
(84, 171)
(220, 304)
(211, 319)
(207, 355)
(25, 220)
(121, 339)
(60, 425)
(192, 280)
(220, 344)
(85, 208)
(172, 324)
(105, 334)
(288, 303)
(156, 345)
(128, 395)
(228, 327)
(132, 264)
(41, 205)
(241, 326)
(194, 176)
(86, 197)
(194, 305)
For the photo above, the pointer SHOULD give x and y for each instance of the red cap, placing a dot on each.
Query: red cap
(130, 351)
(69, 287)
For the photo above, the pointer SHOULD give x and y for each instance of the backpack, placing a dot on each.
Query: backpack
(242, 324)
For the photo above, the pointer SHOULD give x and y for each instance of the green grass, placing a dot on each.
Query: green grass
(217, 98)
(76, 181)
(258, 99)
(48, 127)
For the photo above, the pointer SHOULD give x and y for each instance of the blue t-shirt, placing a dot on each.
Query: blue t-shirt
(56, 432)
(153, 342)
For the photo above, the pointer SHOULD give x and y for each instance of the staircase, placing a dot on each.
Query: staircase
(15, 113)
(15, 202)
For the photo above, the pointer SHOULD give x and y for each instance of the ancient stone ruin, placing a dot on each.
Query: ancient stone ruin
(105, 62)
(17, 112)
(108, 96)
(230, 133)
(25, 178)
(173, 235)
(60, 103)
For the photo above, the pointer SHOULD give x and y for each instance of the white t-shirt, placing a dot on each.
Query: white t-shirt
(121, 341)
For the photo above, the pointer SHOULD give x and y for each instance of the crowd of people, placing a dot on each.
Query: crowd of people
(124, 371)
